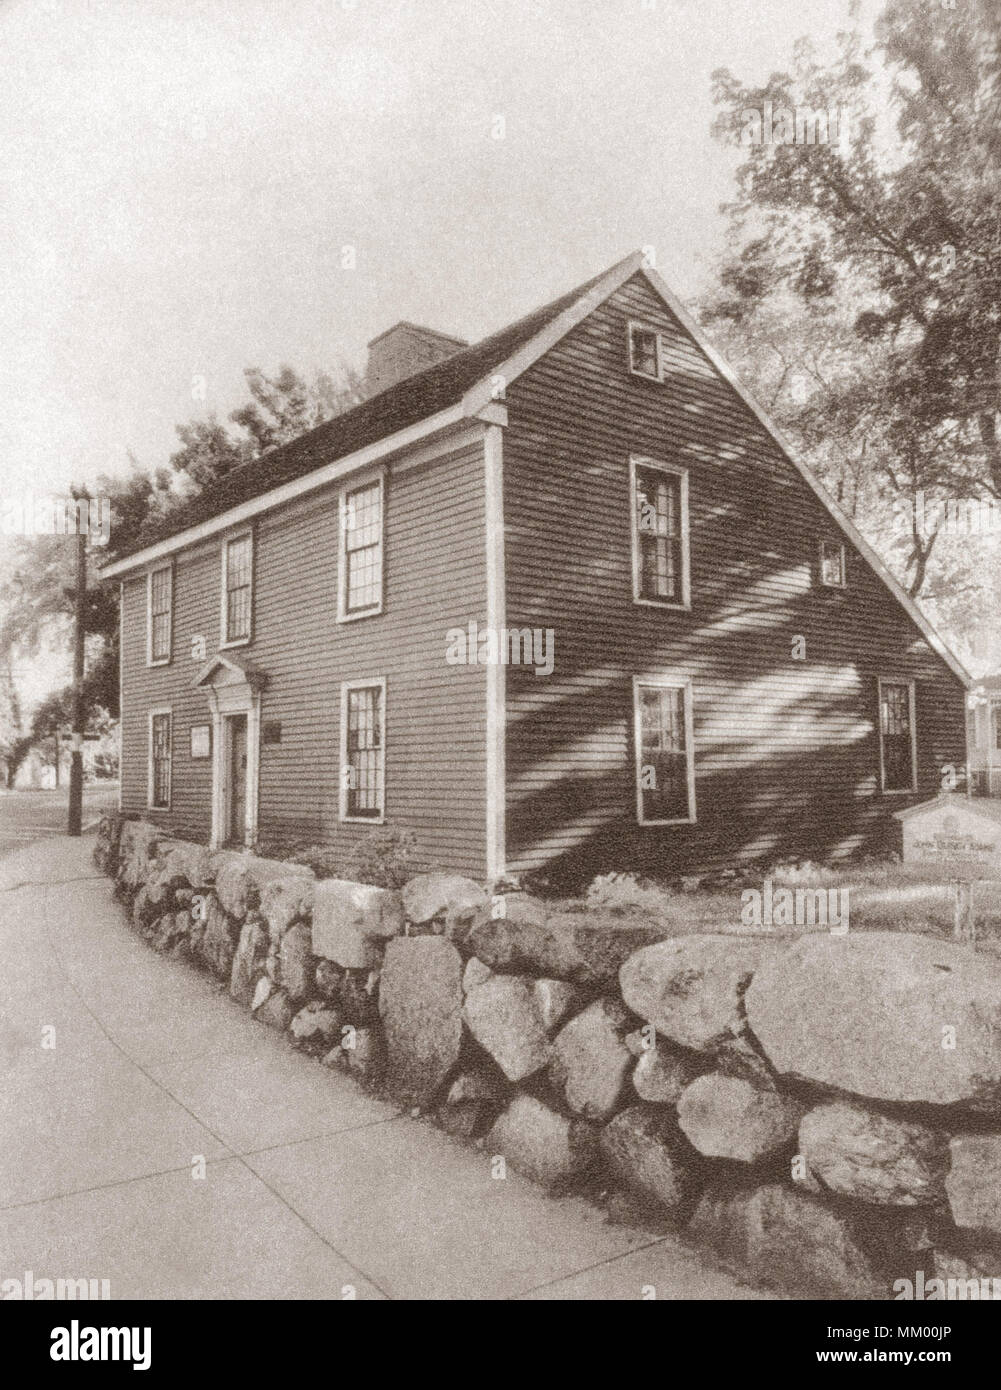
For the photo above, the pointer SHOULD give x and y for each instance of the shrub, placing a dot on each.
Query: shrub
(621, 893)
(385, 858)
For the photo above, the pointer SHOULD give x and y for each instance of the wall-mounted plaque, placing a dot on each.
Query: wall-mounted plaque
(201, 740)
(272, 731)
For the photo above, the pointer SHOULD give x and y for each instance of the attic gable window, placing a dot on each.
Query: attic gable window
(661, 560)
(360, 568)
(833, 572)
(644, 351)
(237, 590)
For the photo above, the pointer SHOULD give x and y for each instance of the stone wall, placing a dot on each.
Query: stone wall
(824, 1111)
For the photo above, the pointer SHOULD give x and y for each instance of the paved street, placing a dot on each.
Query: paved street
(156, 1136)
(35, 815)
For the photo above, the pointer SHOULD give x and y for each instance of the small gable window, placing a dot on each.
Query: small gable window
(833, 574)
(644, 351)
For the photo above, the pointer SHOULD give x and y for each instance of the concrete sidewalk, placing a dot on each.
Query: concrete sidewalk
(311, 1187)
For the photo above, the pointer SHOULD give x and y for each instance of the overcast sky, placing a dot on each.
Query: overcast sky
(180, 177)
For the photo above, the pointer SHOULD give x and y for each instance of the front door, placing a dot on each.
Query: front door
(236, 811)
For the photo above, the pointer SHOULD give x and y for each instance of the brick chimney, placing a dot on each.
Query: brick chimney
(404, 349)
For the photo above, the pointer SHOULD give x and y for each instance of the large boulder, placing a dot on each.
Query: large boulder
(591, 1060)
(420, 1001)
(691, 987)
(788, 1238)
(661, 1072)
(181, 862)
(974, 1183)
(218, 942)
(858, 1153)
(353, 921)
(547, 1147)
(241, 878)
(503, 1017)
(564, 946)
(249, 960)
(297, 964)
(316, 1027)
(137, 848)
(728, 1117)
(646, 1153)
(885, 1015)
(284, 900)
(448, 900)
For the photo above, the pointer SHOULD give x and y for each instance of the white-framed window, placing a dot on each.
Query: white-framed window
(660, 535)
(664, 745)
(237, 617)
(159, 615)
(160, 750)
(832, 569)
(359, 569)
(363, 751)
(898, 738)
(644, 351)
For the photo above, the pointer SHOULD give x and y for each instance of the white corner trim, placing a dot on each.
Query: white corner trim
(934, 640)
(496, 779)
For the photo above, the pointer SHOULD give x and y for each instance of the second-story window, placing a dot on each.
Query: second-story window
(660, 534)
(238, 585)
(160, 602)
(360, 570)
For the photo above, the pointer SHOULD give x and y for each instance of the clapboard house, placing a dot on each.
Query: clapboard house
(563, 597)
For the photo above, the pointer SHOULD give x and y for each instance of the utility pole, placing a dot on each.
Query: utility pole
(75, 825)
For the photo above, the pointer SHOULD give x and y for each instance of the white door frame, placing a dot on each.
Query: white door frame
(232, 690)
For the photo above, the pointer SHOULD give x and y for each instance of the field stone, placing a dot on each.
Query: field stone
(285, 900)
(232, 883)
(728, 1117)
(353, 921)
(786, 1237)
(420, 1002)
(367, 1058)
(591, 1060)
(690, 987)
(858, 1153)
(973, 1185)
(448, 896)
(559, 946)
(555, 1000)
(217, 946)
(660, 1074)
(868, 1013)
(502, 1016)
(248, 960)
(276, 1011)
(645, 1152)
(296, 961)
(475, 973)
(315, 1026)
(328, 978)
(263, 991)
(545, 1146)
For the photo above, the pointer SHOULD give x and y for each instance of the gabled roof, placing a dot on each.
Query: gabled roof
(406, 403)
(463, 385)
(238, 665)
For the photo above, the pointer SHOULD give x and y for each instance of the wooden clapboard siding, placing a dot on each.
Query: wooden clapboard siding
(436, 713)
(786, 752)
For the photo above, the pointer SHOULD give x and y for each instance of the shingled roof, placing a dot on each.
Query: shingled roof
(406, 403)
